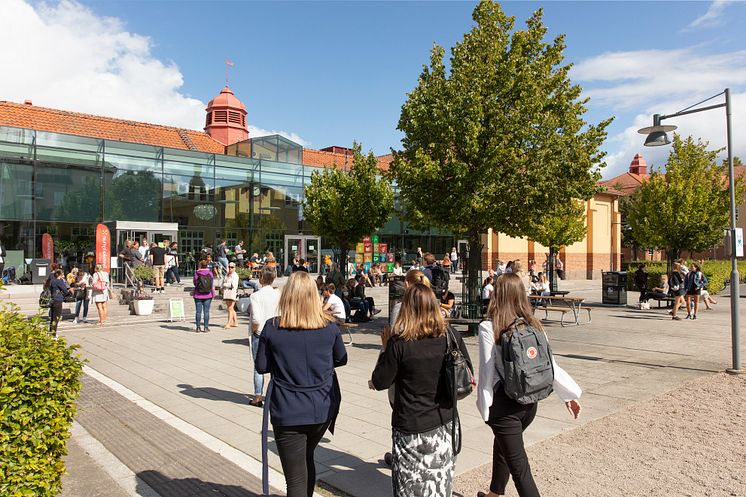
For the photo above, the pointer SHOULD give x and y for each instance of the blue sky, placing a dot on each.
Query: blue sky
(328, 73)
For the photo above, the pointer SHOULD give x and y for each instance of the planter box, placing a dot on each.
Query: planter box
(143, 307)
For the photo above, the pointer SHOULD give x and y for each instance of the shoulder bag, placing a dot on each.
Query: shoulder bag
(459, 381)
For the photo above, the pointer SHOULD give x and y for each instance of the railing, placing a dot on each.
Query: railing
(130, 278)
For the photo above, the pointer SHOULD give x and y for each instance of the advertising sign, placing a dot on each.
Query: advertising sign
(390, 257)
(739, 242)
(358, 258)
(375, 248)
(47, 247)
(375, 256)
(368, 248)
(368, 258)
(383, 247)
(103, 247)
(390, 267)
(367, 266)
(366, 239)
(360, 248)
(374, 238)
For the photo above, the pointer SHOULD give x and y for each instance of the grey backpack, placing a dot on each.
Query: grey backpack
(528, 372)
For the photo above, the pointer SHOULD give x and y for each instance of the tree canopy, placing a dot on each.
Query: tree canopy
(344, 205)
(687, 206)
(499, 140)
(562, 226)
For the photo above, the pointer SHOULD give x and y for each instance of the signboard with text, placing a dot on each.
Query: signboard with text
(103, 247)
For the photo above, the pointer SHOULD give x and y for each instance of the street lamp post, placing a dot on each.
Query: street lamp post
(656, 137)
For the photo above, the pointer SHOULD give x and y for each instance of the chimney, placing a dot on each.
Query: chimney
(28, 102)
(638, 165)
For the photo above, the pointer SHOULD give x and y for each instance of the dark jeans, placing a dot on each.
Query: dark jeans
(84, 304)
(295, 446)
(508, 454)
(371, 305)
(643, 291)
(202, 305)
(55, 316)
(172, 274)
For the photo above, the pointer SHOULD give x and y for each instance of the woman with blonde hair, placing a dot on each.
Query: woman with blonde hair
(423, 460)
(101, 290)
(506, 417)
(300, 350)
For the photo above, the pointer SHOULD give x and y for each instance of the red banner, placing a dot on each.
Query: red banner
(103, 247)
(47, 247)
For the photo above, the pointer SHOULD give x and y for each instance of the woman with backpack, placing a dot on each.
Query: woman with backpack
(101, 292)
(510, 319)
(694, 282)
(203, 293)
(423, 458)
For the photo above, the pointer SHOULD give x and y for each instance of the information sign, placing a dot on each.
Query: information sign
(176, 309)
(739, 242)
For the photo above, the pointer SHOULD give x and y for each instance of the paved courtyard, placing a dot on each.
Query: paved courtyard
(622, 357)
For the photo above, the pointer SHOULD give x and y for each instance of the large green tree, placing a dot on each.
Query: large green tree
(687, 206)
(562, 226)
(499, 140)
(344, 206)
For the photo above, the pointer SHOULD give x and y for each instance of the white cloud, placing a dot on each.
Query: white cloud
(713, 17)
(65, 56)
(638, 84)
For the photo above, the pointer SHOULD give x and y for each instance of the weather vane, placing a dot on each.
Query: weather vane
(228, 63)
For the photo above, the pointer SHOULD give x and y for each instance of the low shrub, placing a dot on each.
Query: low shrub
(39, 383)
(145, 273)
(717, 272)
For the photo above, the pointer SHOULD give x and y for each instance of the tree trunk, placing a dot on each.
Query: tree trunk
(340, 255)
(472, 284)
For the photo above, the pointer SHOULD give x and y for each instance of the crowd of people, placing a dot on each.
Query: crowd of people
(686, 285)
(80, 287)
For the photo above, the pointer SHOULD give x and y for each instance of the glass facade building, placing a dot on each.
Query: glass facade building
(65, 184)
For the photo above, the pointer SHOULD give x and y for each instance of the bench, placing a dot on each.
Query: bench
(347, 327)
(668, 300)
(563, 311)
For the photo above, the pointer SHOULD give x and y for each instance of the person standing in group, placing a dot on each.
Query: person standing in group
(230, 293)
(454, 260)
(59, 289)
(222, 254)
(487, 289)
(300, 350)
(101, 289)
(144, 249)
(82, 295)
(2, 259)
(423, 460)
(239, 251)
(157, 259)
(172, 265)
(203, 293)
(560, 267)
(135, 255)
(641, 281)
(508, 418)
(263, 307)
(693, 282)
(678, 290)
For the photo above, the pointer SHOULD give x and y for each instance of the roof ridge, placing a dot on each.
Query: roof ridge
(102, 118)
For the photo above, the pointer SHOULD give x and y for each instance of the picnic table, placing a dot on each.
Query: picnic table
(569, 304)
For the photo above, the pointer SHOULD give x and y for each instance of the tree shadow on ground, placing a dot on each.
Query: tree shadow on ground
(212, 393)
(164, 485)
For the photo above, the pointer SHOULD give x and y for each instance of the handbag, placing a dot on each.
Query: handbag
(45, 299)
(99, 285)
(459, 383)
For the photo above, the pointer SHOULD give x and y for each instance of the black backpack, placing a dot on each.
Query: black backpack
(440, 280)
(204, 283)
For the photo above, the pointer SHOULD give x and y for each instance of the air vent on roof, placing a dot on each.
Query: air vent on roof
(221, 116)
(208, 119)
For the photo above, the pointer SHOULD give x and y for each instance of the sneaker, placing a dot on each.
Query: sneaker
(376, 311)
(75, 321)
(197, 329)
(676, 318)
(168, 284)
(688, 316)
(694, 316)
(388, 458)
(205, 329)
(85, 320)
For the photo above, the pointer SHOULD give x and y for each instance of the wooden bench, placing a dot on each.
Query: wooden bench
(347, 327)
(668, 300)
(563, 311)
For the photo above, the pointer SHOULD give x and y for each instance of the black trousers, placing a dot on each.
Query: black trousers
(508, 420)
(55, 317)
(295, 446)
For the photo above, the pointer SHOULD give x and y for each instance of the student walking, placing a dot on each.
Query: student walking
(101, 291)
(678, 290)
(507, 418)
(300, 350)
(423, 460)
(203, 293)
(230, 293)
(264, 303)
(59, 289)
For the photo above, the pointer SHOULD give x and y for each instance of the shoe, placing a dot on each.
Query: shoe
(197, 329)
(168, 284)
(481, 494)
(676, 318)
(205, 329)
(376, 311)
(694, 316)
(85, 320)
(688, 316)
(75, 321)
(257, 401)
(670, 311)
(388, 458)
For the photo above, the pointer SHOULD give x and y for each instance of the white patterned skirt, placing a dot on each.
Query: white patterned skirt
(423, 463)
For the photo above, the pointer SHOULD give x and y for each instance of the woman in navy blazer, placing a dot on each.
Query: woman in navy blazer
(300, 350)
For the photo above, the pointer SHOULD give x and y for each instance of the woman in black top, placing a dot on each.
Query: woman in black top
(676, 285)
(423, 458)
(300, 350)
(58, 288)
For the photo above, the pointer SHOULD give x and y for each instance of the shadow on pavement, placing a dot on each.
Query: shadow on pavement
(176, 328)
(237, 341)
(349, 471)
(212, 393)
(166, 486)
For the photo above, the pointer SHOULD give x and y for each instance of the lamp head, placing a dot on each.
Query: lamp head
(656, 133)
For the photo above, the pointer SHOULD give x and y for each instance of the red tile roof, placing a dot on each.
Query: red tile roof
(75, 123)
(625, 184)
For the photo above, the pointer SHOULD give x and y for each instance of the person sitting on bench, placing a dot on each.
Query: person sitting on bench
(658, 293)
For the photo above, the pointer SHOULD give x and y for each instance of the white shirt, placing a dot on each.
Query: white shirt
(264, 304)
(398, 271)
(454, 255)
(143, 250)
(487, 291)
(337, 306)
(564, 385)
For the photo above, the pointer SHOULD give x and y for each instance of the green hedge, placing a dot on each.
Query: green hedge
(39, 383)
(145, 273)
(717, 272)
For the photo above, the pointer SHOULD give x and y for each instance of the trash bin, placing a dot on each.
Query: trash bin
(39, 270)
(396, 291)
(614, 287)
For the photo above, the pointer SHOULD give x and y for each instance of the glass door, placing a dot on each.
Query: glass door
(293, 247)
(305, 247)
(313, 253)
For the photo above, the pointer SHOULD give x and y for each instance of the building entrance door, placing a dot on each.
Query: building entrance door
(305, 247)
